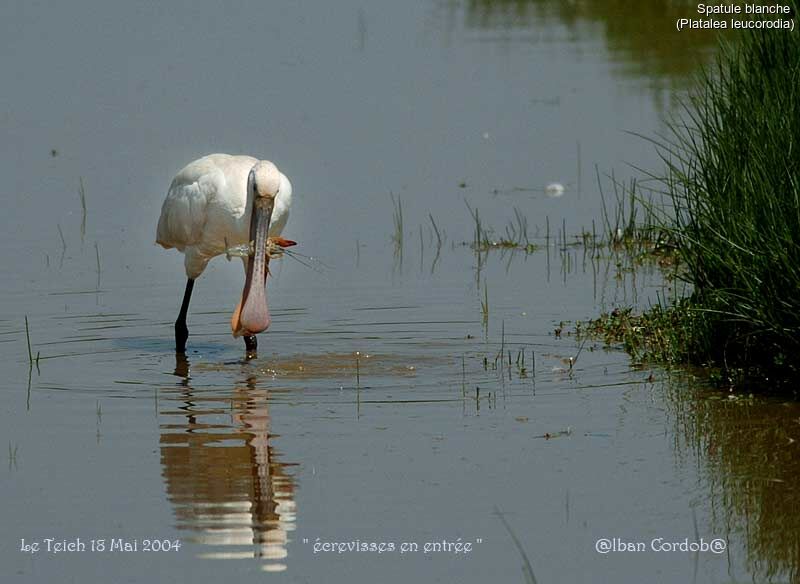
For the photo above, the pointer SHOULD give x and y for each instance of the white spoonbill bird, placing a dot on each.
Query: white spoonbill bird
(219, 202)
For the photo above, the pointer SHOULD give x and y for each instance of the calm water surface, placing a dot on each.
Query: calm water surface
(409, 391)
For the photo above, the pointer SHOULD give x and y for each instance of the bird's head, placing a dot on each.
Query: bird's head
(264, 179)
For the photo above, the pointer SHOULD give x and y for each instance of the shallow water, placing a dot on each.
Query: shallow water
(408, 392)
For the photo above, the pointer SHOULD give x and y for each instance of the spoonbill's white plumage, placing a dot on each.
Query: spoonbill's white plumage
(215, 203)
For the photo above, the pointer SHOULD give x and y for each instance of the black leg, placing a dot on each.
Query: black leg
(181, 331)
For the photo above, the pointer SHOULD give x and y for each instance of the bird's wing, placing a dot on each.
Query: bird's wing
(185, 210)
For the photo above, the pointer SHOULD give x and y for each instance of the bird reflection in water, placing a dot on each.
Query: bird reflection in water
(223, 476)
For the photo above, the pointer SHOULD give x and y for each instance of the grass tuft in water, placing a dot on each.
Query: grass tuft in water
(13, 449)
(28, 338)
(61, 235)
(516, 234)
(82, 195)
(485, 305)
(632, 223)
(97, 258)
(527, 569)
(397, 215)
(358, 369)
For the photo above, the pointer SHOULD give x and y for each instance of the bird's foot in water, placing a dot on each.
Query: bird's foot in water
(251, 347)
(181, 366)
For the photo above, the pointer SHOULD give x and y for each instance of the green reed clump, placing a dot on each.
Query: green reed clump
(733, 174)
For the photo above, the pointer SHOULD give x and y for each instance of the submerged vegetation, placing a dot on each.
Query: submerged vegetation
(733, 176)
(667, 333)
